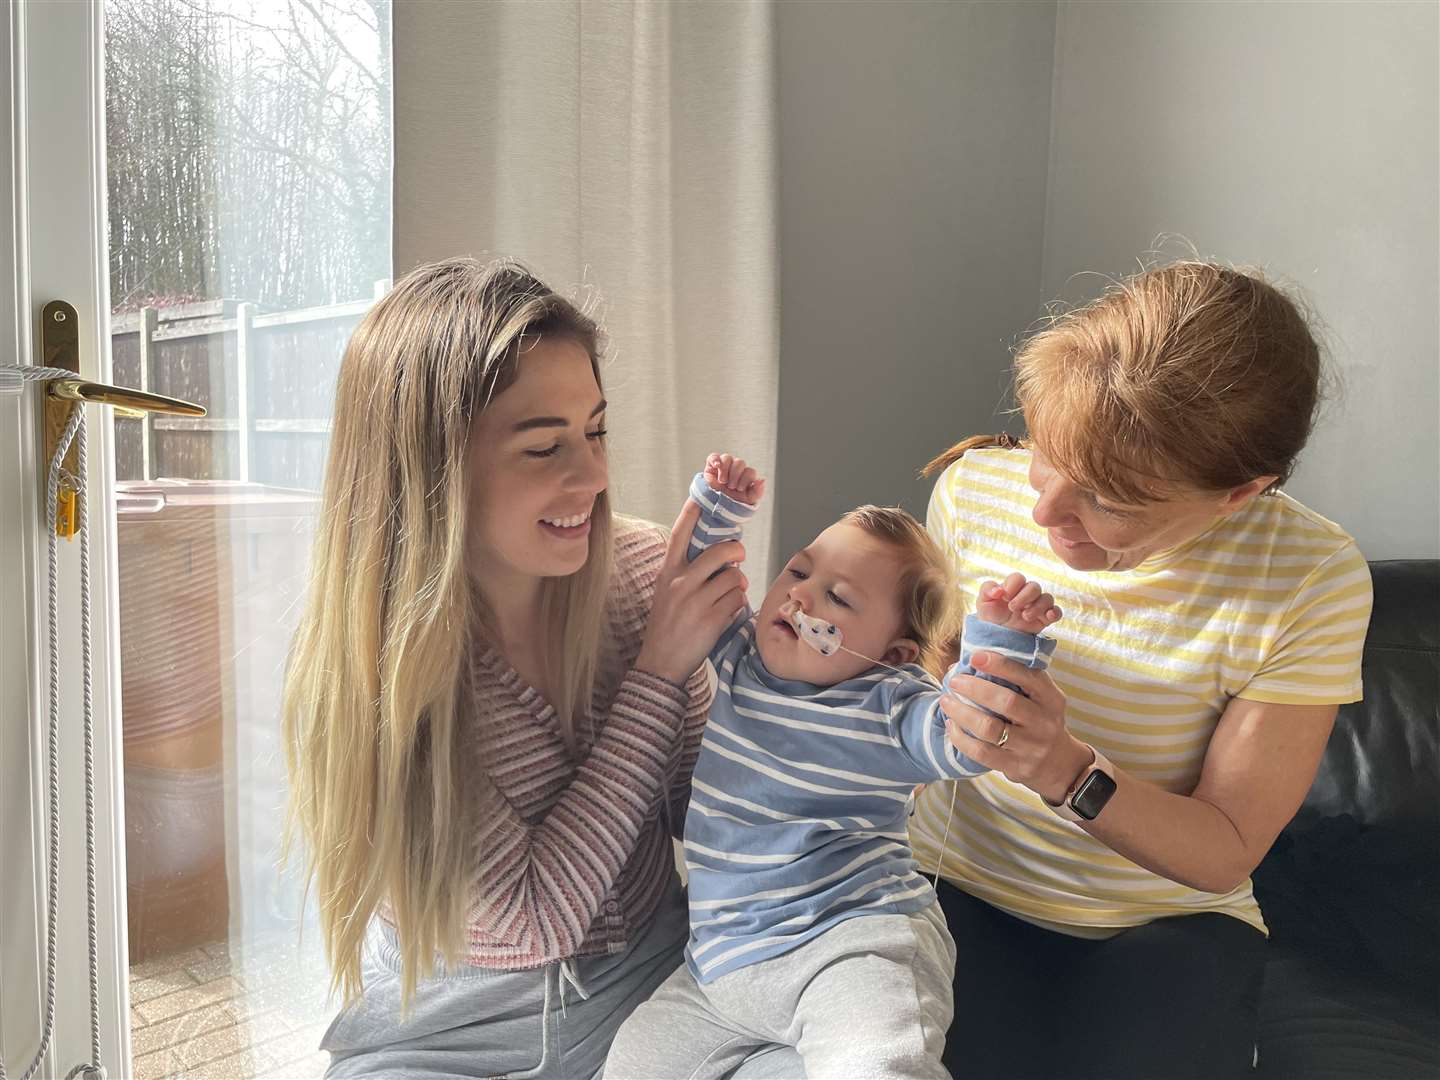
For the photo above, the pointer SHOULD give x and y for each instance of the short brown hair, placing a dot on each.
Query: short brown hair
(927, 594)
(1192, 374)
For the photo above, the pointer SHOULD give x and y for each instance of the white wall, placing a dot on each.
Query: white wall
(913, 142)
(917, 244)
(1301, 137)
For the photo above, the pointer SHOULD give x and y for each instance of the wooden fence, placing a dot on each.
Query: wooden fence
(268, 381)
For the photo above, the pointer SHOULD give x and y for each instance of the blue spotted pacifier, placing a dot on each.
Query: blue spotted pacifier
(823, 637)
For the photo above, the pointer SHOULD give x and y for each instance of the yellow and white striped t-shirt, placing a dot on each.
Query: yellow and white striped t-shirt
(1269, 604)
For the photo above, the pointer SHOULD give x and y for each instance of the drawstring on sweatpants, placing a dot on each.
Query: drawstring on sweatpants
(556, 977)
(565, 973)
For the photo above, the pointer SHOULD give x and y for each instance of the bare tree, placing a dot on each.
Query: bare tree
(249, 149)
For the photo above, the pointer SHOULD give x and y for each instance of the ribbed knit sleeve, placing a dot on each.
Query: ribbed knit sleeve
(545, 883)
(541, 883)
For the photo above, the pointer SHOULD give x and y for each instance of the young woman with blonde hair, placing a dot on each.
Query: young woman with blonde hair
(1097, 881)
(492, 707)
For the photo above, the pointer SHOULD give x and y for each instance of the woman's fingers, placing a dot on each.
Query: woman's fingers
(1041, 704)
(976, 749)
(1028, 679)
(717, 601)
(991, 697)
(714, 559)
(730, 578)
(1006, 748)
(980, 725)
(725, 608)
(693, 603)
(680, 534)
(1025, 748)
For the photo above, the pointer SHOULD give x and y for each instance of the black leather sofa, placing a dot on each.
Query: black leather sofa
(1351, 889)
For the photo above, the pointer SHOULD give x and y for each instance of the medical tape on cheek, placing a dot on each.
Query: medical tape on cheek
(827, 639)
(824, 637)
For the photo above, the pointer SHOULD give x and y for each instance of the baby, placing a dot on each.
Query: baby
(810, 924)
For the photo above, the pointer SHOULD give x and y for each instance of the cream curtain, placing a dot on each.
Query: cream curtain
(625, 150)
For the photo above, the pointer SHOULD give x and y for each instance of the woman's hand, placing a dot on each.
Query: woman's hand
(694, 602)
(1038, 751)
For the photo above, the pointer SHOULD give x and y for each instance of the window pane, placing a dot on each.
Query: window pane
(248, 168)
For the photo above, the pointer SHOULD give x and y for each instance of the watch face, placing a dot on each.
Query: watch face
(1094, 793)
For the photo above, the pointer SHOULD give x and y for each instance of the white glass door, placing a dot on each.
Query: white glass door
(239, 226)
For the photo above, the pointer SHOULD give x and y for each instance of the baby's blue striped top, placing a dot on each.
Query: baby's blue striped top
(800, 794)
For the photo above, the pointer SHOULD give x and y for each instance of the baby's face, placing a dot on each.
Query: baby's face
(845, 577)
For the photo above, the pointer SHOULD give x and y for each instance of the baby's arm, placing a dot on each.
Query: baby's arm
(727, 491)
(919, 722)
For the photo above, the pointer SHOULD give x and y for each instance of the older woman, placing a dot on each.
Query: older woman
(1097, 882)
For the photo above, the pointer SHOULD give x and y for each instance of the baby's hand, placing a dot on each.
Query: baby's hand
(1018, 604)
(730, 475)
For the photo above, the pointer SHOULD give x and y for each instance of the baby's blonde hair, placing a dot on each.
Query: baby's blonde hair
(928, 604)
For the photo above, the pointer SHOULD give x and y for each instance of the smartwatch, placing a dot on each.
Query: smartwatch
(1090, 792)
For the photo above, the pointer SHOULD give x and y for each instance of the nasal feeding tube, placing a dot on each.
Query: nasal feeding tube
(827, 639)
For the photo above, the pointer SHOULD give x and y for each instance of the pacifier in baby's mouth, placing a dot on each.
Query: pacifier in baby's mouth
(823, 637)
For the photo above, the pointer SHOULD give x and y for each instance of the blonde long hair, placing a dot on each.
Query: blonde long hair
(377, 681)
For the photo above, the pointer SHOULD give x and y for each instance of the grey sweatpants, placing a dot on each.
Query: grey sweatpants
(871, 998)
(552, 1023)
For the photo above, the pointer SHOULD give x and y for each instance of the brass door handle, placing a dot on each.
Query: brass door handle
(122, 397)
(60, 348)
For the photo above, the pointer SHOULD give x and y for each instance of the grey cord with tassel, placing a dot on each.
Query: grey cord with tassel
(74, 433)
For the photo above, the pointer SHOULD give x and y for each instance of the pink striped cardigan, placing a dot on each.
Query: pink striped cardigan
(573, 860)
